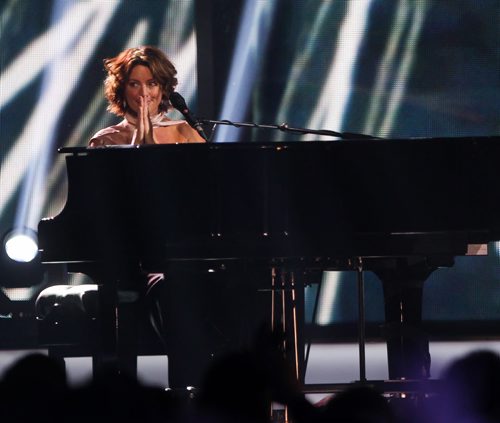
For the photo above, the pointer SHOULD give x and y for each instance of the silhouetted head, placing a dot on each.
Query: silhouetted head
(235, 388)
(471, 387)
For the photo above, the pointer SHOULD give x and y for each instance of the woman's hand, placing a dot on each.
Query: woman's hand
(144, 133)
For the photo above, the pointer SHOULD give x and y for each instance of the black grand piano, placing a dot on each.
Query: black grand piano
(401, 208)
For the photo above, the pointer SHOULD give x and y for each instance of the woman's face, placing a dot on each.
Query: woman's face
(141, 83)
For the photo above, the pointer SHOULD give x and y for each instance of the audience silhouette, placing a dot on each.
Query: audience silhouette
(470, 390)
(240, 387)
(359, 404)
(33, 389)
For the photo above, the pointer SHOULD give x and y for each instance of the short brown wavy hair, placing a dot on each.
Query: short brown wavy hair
(119, 68)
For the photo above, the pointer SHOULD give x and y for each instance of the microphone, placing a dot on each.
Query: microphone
(180, 104)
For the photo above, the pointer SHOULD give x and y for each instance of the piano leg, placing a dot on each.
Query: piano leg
(118, 323)
(119, 332)
(407, 344)
(182, 322)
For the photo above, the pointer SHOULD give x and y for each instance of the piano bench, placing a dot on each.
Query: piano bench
(68, 325)
(67, 315)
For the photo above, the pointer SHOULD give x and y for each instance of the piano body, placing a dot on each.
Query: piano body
(401, 208)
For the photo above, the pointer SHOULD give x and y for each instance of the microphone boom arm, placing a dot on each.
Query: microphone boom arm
(285, 128)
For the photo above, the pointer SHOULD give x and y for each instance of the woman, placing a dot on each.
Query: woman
(138, 86)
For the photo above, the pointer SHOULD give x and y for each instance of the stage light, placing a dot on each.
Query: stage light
(20, 265)
(21, 245)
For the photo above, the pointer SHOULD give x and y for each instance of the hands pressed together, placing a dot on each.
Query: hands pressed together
(144, 133)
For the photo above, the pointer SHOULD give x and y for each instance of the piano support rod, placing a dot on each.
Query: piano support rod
(361, 321)
(295, 328)
(273, 300)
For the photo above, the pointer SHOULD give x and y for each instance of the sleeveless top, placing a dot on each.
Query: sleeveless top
(166, 131)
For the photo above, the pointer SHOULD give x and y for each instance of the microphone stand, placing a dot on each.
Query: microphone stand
(285, 128)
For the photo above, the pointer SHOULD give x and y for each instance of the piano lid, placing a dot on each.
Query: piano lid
(277, 200)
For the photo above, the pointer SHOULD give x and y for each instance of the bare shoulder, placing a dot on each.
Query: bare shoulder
(186, 133)
(112, 135)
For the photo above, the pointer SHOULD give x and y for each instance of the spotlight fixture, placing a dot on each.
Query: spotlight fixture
(21, 245)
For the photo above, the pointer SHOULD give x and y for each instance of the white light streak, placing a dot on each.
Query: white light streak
(185, 63)
(56, 182)
(182, 52)
(403, 74)
(5, 17)
(38, 54)
(388, 88)
(327, 297)
(251, 42)
(384, 70)
(302, 60)
(330, 109)
(138, 35)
